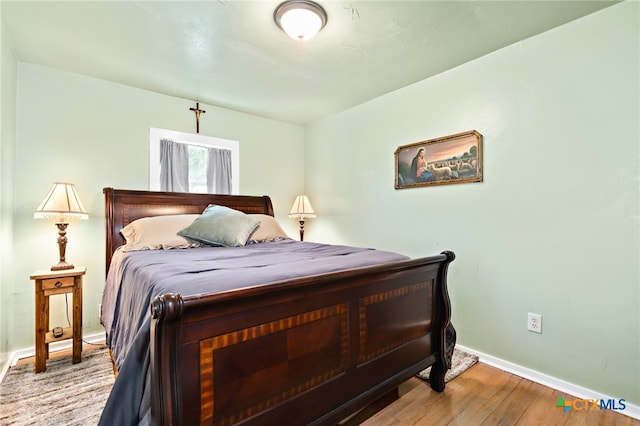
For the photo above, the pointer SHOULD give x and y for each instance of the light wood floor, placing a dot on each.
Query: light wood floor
(482, 395)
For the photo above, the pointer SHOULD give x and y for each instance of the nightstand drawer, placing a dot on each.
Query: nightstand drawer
(56, 283)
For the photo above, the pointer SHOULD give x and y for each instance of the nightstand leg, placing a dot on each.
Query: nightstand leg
(41, 328)
(47, 327)
(77, 320)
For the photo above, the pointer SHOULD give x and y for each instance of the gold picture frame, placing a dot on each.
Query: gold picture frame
(441, 161)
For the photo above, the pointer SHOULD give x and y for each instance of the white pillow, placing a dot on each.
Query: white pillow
(157, 232)
(269, 229)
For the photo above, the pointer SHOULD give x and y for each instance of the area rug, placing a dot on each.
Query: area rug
(460, 362)
(64, 394)
(75, 394)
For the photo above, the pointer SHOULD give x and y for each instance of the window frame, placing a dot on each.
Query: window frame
(156, 134)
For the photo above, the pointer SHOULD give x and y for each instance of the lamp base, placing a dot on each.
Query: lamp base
(61, 266)
(62, 247)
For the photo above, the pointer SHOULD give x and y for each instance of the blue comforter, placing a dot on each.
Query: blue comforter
(135, 278)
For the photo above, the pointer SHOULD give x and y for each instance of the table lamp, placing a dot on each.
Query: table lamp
(301, 210)
(61, 204)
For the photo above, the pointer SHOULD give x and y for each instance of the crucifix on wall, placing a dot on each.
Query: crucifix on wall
(198, 111)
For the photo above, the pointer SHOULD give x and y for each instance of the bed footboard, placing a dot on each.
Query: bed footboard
(307, 351)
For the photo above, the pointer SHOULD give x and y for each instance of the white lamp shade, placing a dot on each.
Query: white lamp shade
(302, 208)
(61, 203)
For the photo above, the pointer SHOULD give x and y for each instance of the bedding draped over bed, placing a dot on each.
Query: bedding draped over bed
(135, 278)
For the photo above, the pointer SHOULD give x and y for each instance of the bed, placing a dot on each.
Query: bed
(312, 349)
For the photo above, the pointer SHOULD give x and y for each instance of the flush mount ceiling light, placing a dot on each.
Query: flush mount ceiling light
(300, 19)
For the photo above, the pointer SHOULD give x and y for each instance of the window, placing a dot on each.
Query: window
(197, 145)
(197, 168)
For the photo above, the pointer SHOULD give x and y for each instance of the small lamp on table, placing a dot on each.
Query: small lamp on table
(61, 204)
(301, 210)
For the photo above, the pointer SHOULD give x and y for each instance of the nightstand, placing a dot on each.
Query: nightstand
(49, 283)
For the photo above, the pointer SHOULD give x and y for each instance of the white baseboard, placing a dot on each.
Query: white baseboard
(631, 410)
(53, 347)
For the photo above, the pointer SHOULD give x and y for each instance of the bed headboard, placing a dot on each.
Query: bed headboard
(123, 206)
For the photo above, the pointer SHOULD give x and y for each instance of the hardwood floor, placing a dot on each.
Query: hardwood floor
(484, 395)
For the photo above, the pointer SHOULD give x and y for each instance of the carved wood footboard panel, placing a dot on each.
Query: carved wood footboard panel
(320, 347)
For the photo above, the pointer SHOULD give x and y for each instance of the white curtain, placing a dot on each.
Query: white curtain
(218, 171)
(174, 166)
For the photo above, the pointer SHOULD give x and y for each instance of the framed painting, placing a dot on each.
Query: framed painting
(442, 161)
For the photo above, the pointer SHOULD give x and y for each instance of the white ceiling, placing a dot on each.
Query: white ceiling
(231, 54)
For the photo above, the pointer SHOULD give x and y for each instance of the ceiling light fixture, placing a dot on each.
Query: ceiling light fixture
(300, 19)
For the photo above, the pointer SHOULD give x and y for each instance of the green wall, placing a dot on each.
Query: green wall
(553, 229)
(8, 70)
(95, 134)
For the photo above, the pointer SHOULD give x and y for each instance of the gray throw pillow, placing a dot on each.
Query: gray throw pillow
(221, 226)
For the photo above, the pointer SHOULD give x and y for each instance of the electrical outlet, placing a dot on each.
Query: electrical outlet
(99, 309)
(534, 323)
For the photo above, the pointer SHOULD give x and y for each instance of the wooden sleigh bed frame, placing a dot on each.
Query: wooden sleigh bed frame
(351, 336)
